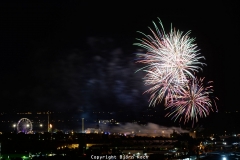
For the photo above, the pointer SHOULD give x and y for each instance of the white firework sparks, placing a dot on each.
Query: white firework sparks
(171, 59)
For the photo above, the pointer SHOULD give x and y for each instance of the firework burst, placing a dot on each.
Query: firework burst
(171, 63)
(162, 88)
(192, 101)
(171, 58)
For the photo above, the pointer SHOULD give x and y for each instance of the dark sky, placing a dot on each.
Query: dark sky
(65, 55)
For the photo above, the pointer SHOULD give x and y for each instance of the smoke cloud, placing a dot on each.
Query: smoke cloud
(149, 129)
(99, 75)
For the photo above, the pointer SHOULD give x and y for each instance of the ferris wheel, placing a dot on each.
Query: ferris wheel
(24, 125)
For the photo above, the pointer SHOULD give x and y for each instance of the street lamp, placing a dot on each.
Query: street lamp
(50, 128)
(40, 125)
(14, 126)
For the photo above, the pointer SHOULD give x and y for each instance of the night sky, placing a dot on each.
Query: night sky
(68, 56)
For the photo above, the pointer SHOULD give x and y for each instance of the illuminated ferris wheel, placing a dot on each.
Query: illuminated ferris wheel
(24, 125)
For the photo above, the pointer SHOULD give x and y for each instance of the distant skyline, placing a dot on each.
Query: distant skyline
(60, 55)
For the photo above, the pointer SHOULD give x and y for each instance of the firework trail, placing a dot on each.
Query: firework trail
(192, 101)
(171, 63)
